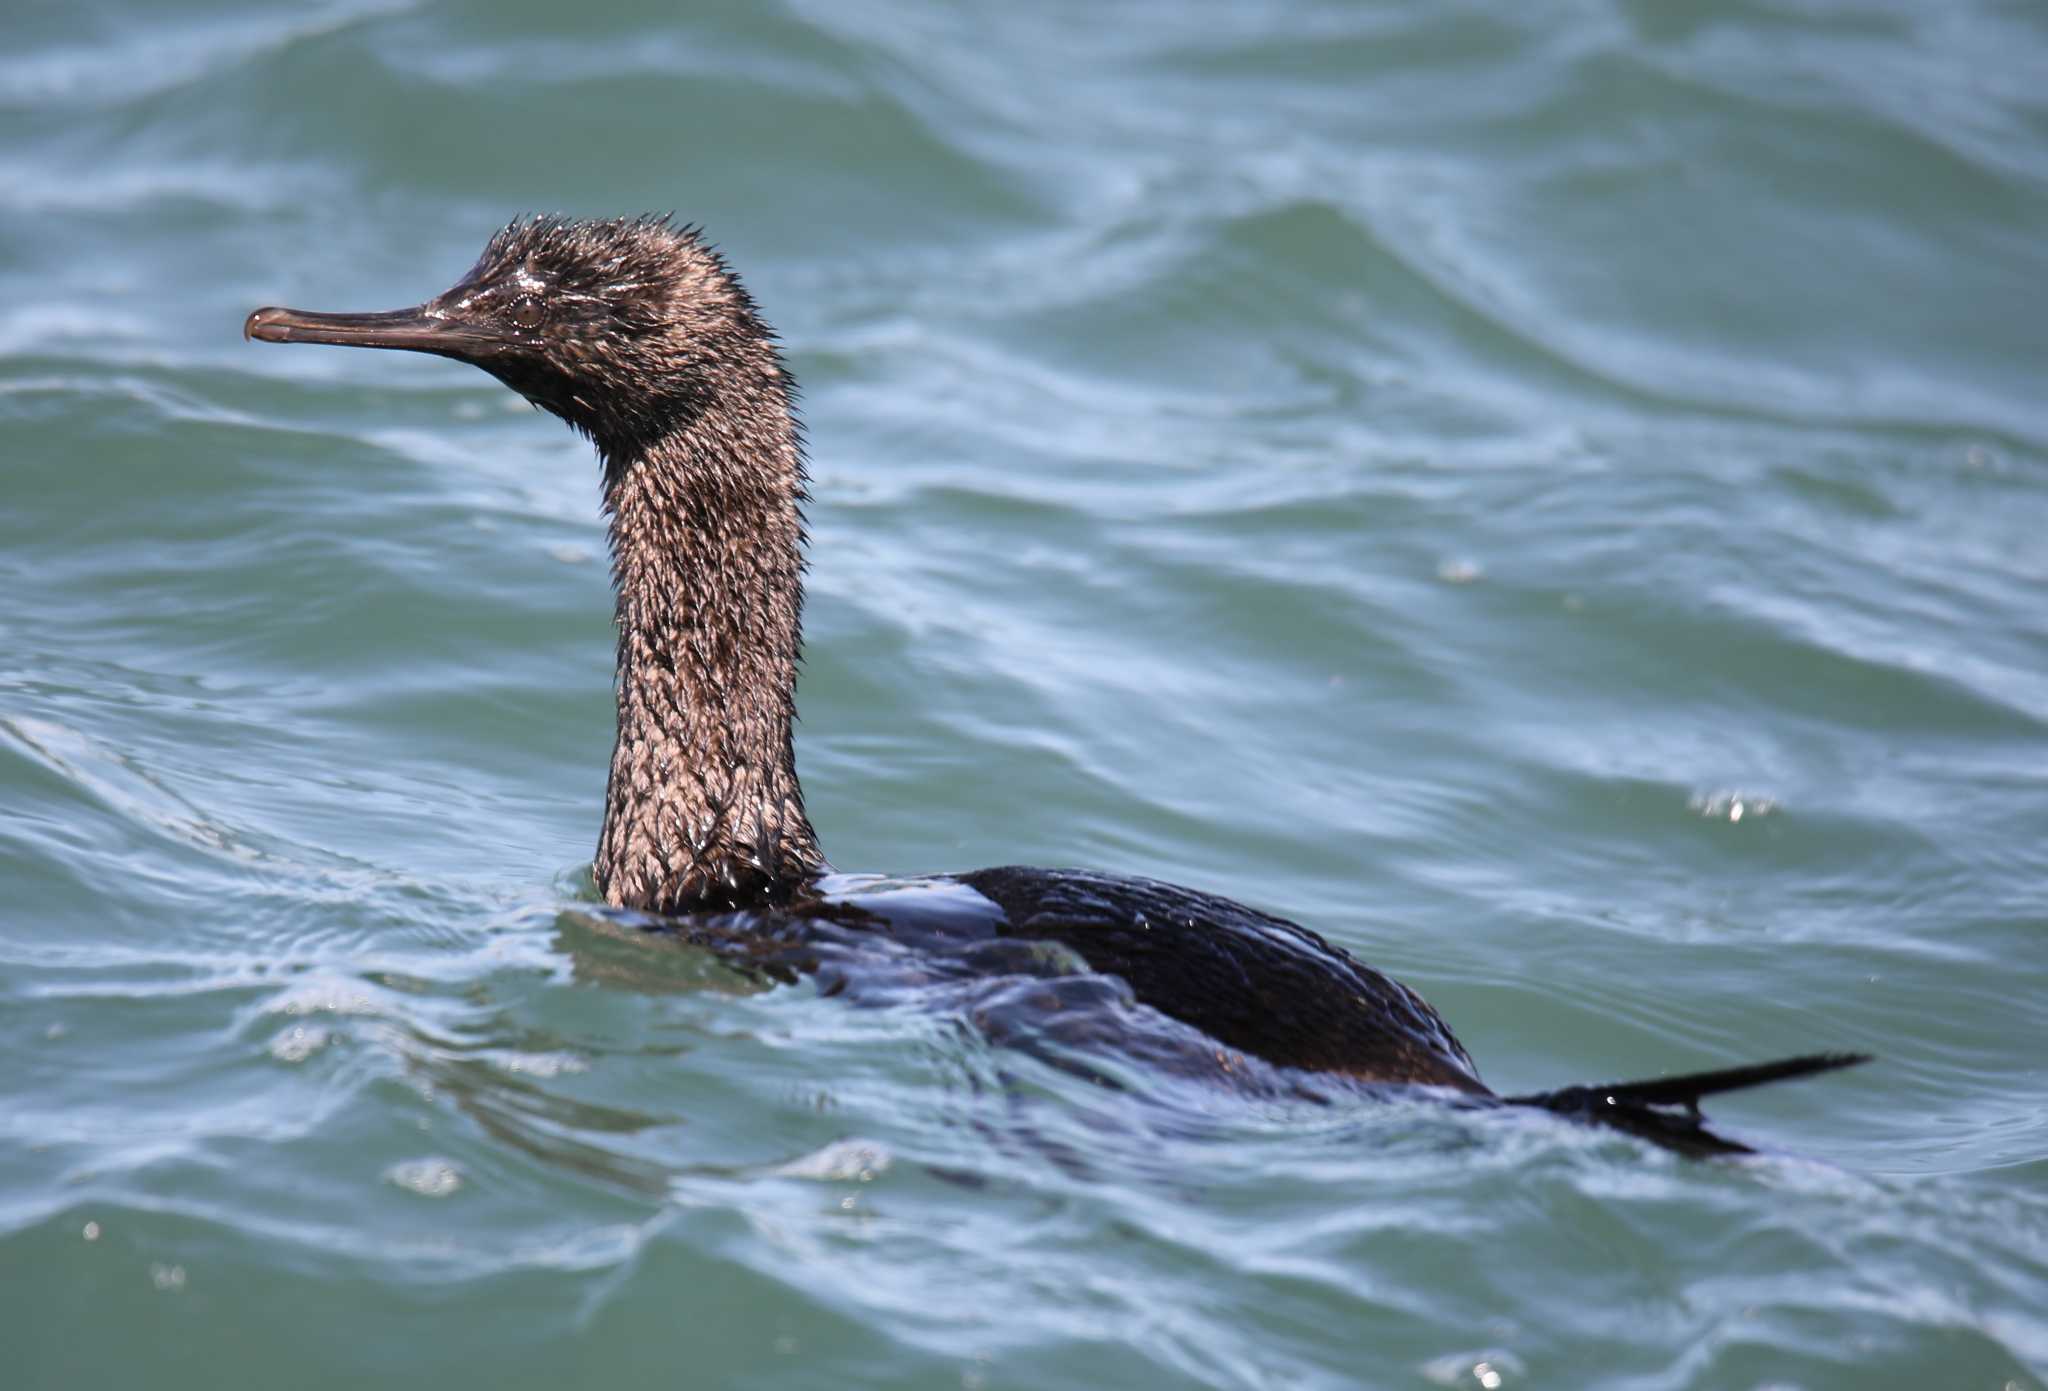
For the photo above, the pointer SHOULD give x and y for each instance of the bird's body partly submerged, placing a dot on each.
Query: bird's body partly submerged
(637, 334)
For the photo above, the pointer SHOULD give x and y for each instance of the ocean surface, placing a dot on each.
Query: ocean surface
(1554, 498)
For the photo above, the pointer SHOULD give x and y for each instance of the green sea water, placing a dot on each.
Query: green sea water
(1551, 497)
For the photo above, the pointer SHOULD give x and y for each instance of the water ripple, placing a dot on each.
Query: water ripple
(1547, 499)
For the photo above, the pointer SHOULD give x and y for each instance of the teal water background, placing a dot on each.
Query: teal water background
(1552, 497)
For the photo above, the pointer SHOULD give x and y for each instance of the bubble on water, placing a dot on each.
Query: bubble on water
(1732, 807)
(169, 1278)
(840, 1162)
(1489, 1370)
(91, 1231)
(298, 1043)
(430, 1178)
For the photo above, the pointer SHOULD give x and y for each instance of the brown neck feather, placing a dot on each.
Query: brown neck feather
(704, 809)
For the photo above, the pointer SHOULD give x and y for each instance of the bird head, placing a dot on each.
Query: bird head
(624, 327)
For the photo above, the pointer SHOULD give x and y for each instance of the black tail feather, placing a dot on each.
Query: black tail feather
(1666, 1110)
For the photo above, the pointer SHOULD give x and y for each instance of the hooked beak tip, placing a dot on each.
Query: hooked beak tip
(261, 325)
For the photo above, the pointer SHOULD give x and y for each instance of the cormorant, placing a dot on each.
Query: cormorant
(636, 333)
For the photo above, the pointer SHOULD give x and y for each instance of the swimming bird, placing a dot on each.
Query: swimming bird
(638, 334)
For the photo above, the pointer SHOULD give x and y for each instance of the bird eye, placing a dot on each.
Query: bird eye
(527, 312)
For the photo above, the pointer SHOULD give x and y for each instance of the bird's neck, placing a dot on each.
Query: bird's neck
(704, 810)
